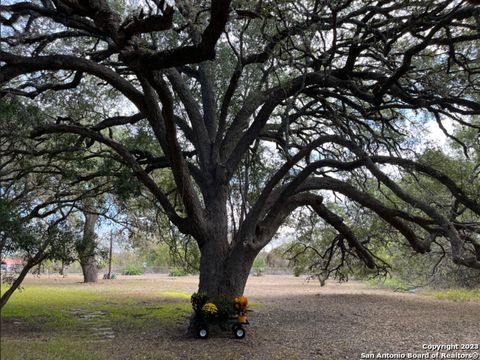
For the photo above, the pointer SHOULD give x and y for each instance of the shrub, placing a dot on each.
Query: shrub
(198, 300)
(133, 270)
(177, 272)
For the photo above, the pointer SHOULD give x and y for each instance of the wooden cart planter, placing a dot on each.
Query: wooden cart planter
(225, 311)
(233, 323)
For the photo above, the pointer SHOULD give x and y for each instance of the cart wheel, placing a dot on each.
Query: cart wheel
(202, 332)
(239, 331)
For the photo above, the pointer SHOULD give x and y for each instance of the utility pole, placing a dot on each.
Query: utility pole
(110, 257)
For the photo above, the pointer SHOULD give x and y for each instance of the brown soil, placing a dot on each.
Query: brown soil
(296, 319)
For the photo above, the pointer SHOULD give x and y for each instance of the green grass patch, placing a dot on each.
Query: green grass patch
(392, 283)
(455, 294)
(51, 304)
(40, 300)
(56, 348)
(57, 307)
(176, 295)
(139, 315)
(253, 305)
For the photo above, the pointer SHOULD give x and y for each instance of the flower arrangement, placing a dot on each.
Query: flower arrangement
(209, 310)
(241, 306)
(221, 308)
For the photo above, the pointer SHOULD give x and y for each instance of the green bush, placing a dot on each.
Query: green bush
(259, 264)
(198, 300)
(133, 270)
(177, 272)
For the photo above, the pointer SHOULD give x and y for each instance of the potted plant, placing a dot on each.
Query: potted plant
(198, 300)
(241, 306)
(224, 311)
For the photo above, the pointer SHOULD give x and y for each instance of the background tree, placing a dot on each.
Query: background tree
(33, 216)
(321, 98)
(87, 247)
(33, 242)
(40, 194)
(313, 253)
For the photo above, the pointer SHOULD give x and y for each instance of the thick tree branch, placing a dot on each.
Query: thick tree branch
(129, 160)
(20, 65)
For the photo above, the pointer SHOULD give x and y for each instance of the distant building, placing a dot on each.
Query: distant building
(11, 264)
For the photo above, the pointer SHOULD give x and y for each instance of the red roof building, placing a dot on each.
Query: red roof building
(10, 262)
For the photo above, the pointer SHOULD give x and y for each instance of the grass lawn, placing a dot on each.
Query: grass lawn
(454, 294)
(69, 319)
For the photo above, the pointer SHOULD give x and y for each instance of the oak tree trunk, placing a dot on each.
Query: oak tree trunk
(224, 268)
(225, 273)
(86, 249)
(89, 269)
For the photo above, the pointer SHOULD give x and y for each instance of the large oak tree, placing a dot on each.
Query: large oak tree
(303, 99)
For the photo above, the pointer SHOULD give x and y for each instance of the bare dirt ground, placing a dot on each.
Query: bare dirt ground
(296, 319)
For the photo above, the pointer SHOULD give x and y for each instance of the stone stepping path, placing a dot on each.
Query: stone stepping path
(95, 324)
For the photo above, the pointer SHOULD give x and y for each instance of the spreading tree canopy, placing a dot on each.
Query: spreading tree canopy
(257, 109)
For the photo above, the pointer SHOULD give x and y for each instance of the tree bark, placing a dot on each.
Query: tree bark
(63, 269)
(86, 249)
(214, 247)
(89, 269)
(225, 273)
(224, 266)
(237, 269)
